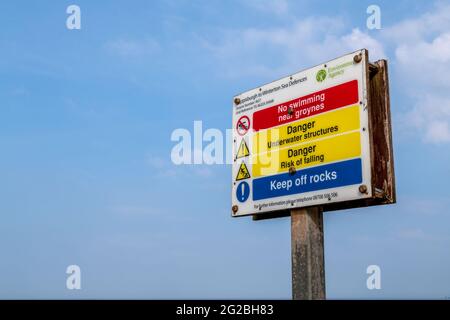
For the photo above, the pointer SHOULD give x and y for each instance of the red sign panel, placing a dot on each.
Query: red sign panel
(315, 103)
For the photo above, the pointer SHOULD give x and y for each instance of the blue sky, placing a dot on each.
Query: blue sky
(86, 176)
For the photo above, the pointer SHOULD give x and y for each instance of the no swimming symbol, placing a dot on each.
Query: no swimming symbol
(243, 125)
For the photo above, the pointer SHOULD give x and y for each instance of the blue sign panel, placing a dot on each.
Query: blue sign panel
(322, 177)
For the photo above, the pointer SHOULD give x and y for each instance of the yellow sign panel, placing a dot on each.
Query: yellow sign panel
(243, 172)
(307, 155)
(243, 150)
(325, 125)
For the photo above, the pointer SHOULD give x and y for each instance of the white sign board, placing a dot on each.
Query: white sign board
(303, 140)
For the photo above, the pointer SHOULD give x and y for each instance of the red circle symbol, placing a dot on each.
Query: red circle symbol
(243, 125)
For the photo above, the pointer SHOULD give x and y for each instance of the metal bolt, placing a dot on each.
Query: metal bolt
(235, 209)
(237, 101)
(357, 58)
(290, 111)
(292, 171)
(363, 188)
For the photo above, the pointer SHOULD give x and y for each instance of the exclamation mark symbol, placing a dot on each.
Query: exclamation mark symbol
(242, 191)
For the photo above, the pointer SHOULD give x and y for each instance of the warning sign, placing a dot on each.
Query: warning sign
(305, 142)
(243, 172)
(305, 106)
(325, 125)
(243, 125)
(243, 150)
(242, 191)
(301, 156)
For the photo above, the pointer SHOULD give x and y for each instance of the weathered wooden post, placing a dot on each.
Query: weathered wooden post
(308, 269)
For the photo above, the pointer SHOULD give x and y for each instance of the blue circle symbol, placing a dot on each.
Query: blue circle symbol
(242, 191)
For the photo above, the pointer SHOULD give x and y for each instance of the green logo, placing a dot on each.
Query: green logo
(321, 75)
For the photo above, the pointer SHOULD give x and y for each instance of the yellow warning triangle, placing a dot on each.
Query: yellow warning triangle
(243, 150)
(243, 172)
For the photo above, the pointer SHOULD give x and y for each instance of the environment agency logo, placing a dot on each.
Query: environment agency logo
(321, 75)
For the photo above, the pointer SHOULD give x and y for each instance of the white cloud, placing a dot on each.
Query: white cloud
(435, 51)
(133, 48)
(412, 234)
(157, 163)
(164, 168)
(438, 131)
(133, 210)
(19, 91)
(358, 39)
(203, 171)
(276, 51)
(273, 6)
(160, 167)
(414, 30)
(423, 207)
(422, 61)
(430, 115)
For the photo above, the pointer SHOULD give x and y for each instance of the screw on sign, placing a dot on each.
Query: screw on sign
(243, 125)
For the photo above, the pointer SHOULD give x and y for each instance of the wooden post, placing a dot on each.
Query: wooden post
(308, 269)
